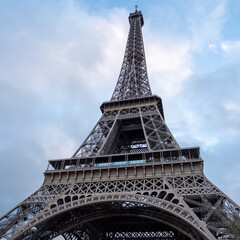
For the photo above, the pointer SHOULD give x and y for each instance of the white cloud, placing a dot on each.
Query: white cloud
(232, 107)
(224, 46)
(56, 142)
(170, 58)
(233, 114)
(230, 46)
(169, 63)
(212, 47)
(191, 128)
(79, 49)
(206, 24)
(55, 62)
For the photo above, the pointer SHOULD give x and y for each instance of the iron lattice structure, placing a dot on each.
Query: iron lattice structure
(129, 179)
(133, 79)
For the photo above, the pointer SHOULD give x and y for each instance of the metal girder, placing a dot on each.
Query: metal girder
(133, 80)
(136, 129)
(158, 192)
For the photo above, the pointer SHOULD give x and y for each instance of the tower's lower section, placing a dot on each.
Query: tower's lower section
(154, 199)
(122, 220)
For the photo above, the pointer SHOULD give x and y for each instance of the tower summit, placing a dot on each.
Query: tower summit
(129, 179)
(133, 79)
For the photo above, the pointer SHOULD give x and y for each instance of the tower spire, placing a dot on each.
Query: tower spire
(133, 79)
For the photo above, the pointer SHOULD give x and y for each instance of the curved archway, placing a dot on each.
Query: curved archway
(147, 224)
(68, 217)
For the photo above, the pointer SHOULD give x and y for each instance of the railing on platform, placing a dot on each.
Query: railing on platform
(164, 156)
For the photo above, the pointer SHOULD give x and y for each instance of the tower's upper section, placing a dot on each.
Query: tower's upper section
(133, 79)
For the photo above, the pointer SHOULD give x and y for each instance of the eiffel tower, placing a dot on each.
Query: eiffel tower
(129, 179)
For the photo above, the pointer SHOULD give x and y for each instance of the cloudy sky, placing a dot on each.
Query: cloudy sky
(60, 59)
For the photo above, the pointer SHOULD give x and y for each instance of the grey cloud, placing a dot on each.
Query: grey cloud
(197, 116)
(52, 81)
